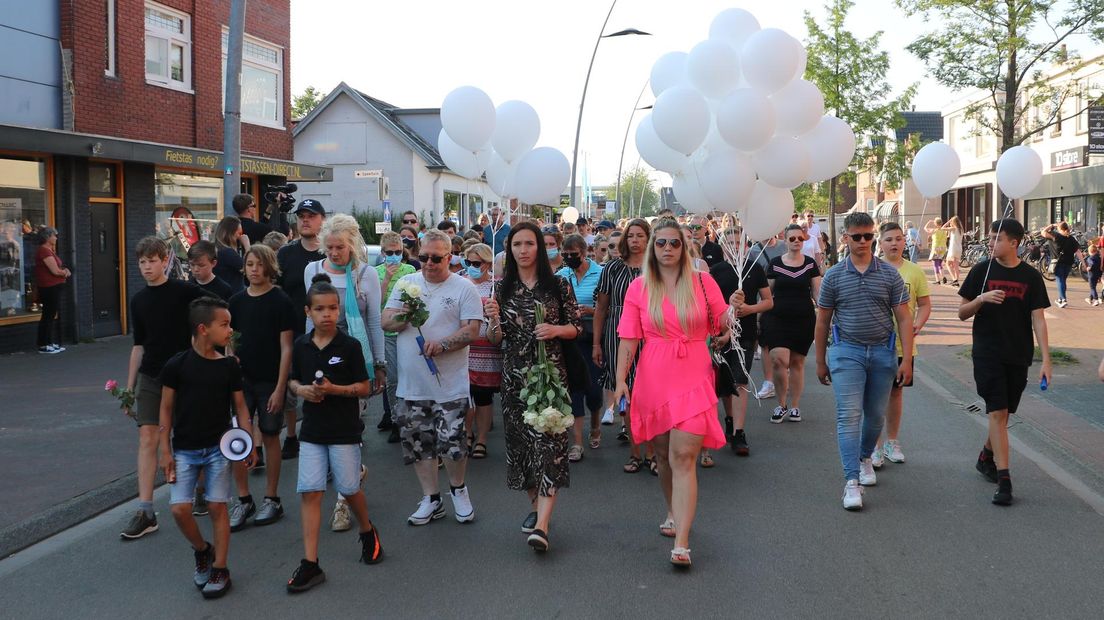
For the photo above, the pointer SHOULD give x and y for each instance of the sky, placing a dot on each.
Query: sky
(412, 53)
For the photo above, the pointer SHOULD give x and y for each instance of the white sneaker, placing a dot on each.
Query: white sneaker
(342, 519)
(893, 451)
(607, 417)
(462, 506)
(1062, 303)
(428, 510)
(1089, 300)
(778, 415)
(765, 391)
(877, 459)
(1097, 302)
(758, 353)
(852, 495)
(867, 478)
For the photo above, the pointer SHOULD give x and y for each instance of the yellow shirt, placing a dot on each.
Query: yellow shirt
(916, 283)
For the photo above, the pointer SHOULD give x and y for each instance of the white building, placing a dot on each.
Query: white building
(370, 143)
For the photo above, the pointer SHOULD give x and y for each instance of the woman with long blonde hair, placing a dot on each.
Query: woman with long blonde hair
(954, 247)
(672, 310)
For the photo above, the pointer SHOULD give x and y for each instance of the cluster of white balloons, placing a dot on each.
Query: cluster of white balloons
(737, 127)
(477, 138)
(936, 168)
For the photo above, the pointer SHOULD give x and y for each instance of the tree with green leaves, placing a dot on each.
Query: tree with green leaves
(851, 73)
(637, 192)
(1009, 49)
(301, 105)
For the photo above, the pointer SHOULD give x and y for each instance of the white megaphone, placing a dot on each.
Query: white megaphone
(236, 444)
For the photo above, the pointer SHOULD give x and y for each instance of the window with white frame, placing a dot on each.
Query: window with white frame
(262, 81)
(168, 47)
(109, 39)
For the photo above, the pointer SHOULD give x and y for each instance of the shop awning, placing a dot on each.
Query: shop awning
(55, 142)
(885, 210)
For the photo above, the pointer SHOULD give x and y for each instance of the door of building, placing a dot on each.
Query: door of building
(106, 318)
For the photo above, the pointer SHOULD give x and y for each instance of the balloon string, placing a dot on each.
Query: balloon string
(1006, 214)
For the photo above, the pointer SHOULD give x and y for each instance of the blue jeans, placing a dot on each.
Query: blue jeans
(1061, 272)
(189, 464)
(862, 377)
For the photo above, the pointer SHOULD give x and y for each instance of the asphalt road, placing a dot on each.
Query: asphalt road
(771, 540)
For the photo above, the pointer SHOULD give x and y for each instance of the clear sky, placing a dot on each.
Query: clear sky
(412, 53)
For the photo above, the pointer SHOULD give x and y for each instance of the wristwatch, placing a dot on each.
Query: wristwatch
(382, 365)
(445, 345)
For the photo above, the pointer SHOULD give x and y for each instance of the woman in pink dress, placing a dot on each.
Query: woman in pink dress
(672, 309)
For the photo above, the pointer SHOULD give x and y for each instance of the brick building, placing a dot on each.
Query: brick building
(111, 129)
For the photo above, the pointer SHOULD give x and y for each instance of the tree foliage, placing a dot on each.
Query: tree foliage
(301, 105)
(1008, 49)
(638, 194)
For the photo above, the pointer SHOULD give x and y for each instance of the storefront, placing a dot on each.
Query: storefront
(103, 195)
(1073, 193)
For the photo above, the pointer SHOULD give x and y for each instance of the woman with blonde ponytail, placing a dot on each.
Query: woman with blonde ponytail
(672, 310)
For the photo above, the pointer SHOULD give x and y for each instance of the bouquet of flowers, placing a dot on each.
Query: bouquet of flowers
(416, 314)
(547, 402)
(125, 396)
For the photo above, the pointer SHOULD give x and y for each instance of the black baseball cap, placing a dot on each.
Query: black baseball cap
(311, 205)
(605, 224)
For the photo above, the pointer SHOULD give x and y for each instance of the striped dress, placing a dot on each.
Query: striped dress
(615, 280)
(484, 358)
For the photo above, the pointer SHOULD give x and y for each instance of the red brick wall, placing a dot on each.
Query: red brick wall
(126, 106)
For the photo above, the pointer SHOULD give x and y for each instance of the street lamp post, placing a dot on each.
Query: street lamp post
(621, 162)
(586, 83)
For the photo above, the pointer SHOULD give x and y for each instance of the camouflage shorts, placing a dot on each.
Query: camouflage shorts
(429, 429)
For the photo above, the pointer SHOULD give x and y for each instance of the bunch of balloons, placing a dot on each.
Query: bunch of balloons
(477, 138)
(737, 127)
(936, 168)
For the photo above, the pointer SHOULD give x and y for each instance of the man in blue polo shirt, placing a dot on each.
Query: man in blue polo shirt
(583, 274)
(859, 298)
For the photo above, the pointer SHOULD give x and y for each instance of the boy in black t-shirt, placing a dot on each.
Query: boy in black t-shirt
(1006, 297)
(200, 390)
(202, 258)
(159, 318)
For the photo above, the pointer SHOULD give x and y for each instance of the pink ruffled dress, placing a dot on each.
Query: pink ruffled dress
(674, 385)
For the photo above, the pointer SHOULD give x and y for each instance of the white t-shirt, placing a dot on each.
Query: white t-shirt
(449, 303)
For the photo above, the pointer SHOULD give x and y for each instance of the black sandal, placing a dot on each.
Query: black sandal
(479, 451)
(633, 465)
(652, 466)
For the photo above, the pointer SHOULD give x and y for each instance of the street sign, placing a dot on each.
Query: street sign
(368, 174)
(387, 211)
(1096, 130)
(382, 227)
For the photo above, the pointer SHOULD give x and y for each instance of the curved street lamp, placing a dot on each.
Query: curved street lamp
(624, 143)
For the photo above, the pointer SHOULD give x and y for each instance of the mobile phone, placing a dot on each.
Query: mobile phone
(622, 404)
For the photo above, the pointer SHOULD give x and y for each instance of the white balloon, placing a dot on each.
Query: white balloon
(713, 68)
(669, 70)
(689, 194)
(802, 62)
(463, 162)
(746, 119)
(831, 147)
(769, 59)
(542, 174)
(727, 179)
(680, 117)
(517, 128)
(570, 214)
(733, 26)
(935, 169)
(799, 106)
(500, 176)
(654, 151)
(1019, 171)
(468, 115)
(767, 211)
(783, 162)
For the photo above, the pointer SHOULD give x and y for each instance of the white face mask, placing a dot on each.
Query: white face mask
(454, 261)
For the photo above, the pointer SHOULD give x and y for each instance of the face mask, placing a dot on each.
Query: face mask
(454, 261)
(392, 260)
(574, 262)
(475, 272)
(553, 253)
(408, 242)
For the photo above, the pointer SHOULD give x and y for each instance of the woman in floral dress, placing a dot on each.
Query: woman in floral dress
(535, 462)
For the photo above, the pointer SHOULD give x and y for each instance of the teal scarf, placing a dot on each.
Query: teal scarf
(353, 319)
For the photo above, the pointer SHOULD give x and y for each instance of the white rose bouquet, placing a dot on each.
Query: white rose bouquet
(416, 314)
(547, 402)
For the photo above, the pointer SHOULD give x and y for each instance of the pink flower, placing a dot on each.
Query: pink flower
(110, 385)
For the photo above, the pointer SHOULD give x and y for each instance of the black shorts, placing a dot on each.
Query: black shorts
(1000, 385)
(482, 396)
(739, 371)
(257, 394)
(909, 384)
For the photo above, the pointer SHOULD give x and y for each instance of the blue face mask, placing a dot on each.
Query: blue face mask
(474, 272)
(392, 260)
(553, 253)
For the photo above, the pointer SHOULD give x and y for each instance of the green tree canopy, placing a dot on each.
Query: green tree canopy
(301, 105)
(638, 194)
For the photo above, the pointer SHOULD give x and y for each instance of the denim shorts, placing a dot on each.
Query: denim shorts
(317, 459)
(216, 475)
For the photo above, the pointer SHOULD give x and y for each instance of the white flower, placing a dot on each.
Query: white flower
(414, 291)
(402, 284)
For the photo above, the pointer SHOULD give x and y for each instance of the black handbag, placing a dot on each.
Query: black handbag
(578, 373)
(721, 370)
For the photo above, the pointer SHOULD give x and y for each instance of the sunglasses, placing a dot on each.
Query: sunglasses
(662, 243)
(392, 252)
(473, 263)
(456, 252)
(694, 226)
(792, 239)
(549, 230)
(436, 260)
(861, 236)
(613, 246)
(410, 221)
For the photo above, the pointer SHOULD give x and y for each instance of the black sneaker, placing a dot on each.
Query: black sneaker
(199, 504)
(385, 424)
(538, 540)
(529, 524)
(986, 467)
(729, 428)
(203, 561)
(739, 443)
(140, 525)
(291, 448)
(1003, 496)
(623, 435)
(219, 583)
(308, 575)
(394, 436)
(371, 551)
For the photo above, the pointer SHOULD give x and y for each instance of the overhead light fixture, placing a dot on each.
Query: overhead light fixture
(97, 148)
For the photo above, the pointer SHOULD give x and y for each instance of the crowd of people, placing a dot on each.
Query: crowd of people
(293, 338)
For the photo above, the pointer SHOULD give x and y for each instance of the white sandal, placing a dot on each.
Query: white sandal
(680, 556)
(667, 528)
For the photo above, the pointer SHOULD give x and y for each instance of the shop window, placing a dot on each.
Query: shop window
(262, 81)
(23, 214)
(168, 47)
(452, 205)
(188, 207)
(101, 181)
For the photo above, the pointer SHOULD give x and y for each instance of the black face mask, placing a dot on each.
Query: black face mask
(573, 261)
(408, 242)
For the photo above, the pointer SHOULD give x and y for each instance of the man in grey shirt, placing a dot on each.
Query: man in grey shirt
(859, 299)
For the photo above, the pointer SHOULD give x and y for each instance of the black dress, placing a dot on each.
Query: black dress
(614, 282)
(791, 322)
(534, 460)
